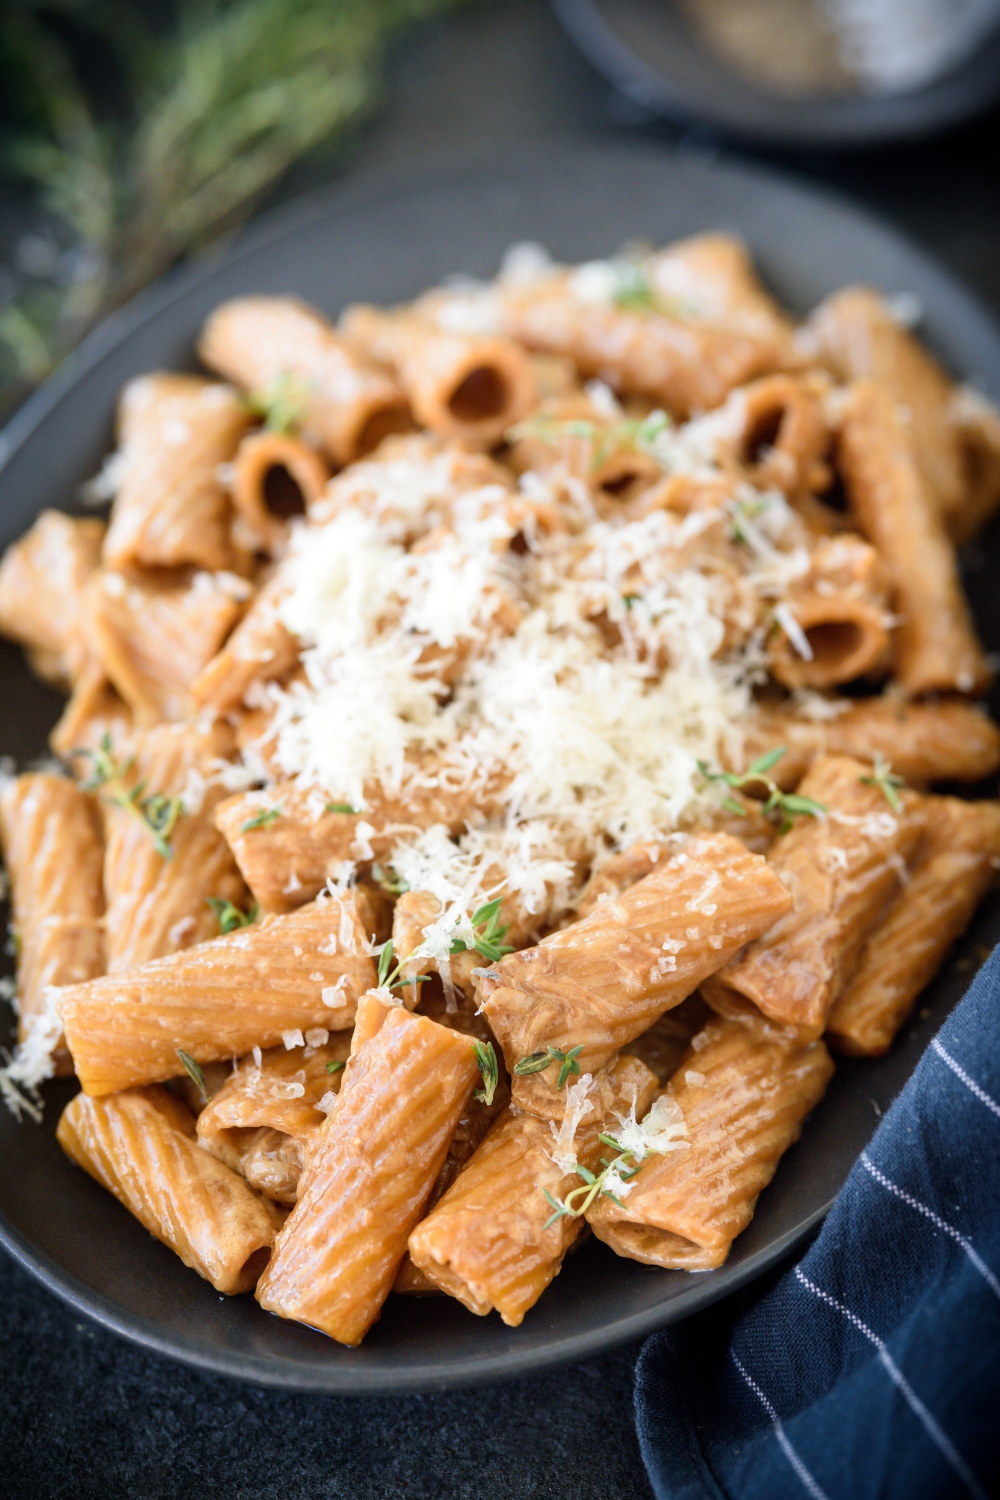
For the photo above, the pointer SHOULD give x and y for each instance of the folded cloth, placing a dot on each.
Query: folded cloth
(873, 1366)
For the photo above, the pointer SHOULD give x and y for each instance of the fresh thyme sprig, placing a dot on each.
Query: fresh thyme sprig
(630, 434)
(388, 977)
(193, 1071)
(340, 807)
(334, 1067)
(578, 1200)
(489, 1068)
(394, 884)
(790, 804)
(537, 1062)
(488, 934)
(157, 814)
(262, 819)
(229, 915)
(282, 404)
(634, 291)
(886, 780)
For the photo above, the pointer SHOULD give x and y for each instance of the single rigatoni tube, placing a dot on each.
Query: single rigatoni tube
(743, 1089)
(141, 1146)
(368, 1177)
(54, 853)
(42, 578)
(857, 334)
(157, 905)
(251, 988)
(153, 637)
(260, 649)
(171, 509)
(463, 386)
(705, 327)
(846, 638)
(264, 1118)
(955, 867)
(841, 868)
(492, 1241)
(779, 438)
(285, 859)
(277, 348)
(923, 742)
(275, 477)
(601, 982)
(936, 645)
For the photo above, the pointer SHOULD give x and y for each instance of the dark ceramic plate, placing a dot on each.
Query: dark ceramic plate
(386, 240)
(655, 58)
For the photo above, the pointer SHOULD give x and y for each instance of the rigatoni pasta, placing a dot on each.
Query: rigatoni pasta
(502, 745)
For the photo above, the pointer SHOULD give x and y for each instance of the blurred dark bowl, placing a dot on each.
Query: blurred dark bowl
(656, 59)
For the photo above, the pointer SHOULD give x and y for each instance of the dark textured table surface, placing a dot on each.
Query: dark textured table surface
(84, 1414)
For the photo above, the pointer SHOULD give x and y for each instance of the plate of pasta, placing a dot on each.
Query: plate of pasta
(521, 762)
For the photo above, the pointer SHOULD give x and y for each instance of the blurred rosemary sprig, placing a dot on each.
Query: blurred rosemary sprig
(213, 111)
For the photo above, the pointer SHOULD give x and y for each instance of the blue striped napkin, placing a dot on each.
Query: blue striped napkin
(872, 1369)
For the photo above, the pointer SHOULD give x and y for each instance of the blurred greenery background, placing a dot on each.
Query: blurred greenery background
(149, 129)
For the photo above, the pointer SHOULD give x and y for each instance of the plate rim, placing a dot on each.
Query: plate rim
(440, 170)
(911, 115)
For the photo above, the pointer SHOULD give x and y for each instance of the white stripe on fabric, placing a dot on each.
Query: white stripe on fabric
(939, 1438)
(936, 1220)
(803, 1473)
(970, 1083)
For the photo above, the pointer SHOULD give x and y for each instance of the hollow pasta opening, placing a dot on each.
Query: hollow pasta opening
(282, 493)
(382, 423)
(762, 435)
(255, 1265)
(484, 393)
(835, 641)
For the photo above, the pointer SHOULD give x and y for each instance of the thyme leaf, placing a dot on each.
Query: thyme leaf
(486, 1058)
(193, 1071)
(886, 780)
(262, 819)
(389, 977)
(537, 1062)
(339, 807)
(488, 934)
(334, 1067)
(390, 881)
(790, 805)
(230, 917)
(157, 813)
(282, 404)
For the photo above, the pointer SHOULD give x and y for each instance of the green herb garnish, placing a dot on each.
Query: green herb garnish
(193, 1071)
(157, 813)
(339, 807)
(390, 881)
(488, 934)
(334, 1067)
(282, 404)
(486, 1058)
(537, 1062)
(634, 290)
(886, 780)
(790, 804)
(230, 917)
(388, 977)
(263, 819)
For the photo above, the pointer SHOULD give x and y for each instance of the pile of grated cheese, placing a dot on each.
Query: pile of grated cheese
(583, 672)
